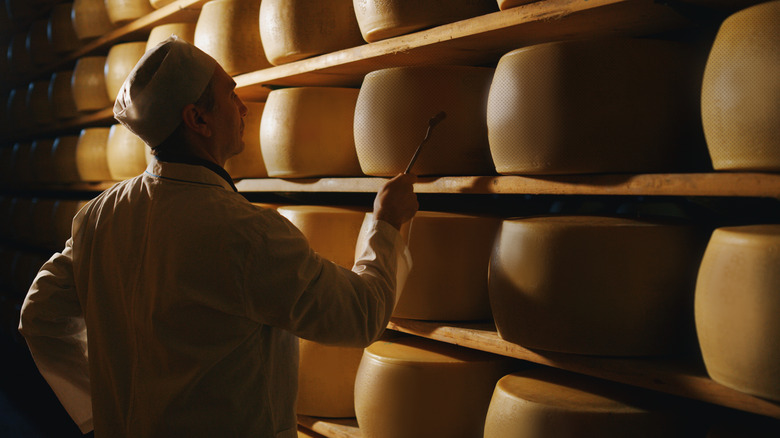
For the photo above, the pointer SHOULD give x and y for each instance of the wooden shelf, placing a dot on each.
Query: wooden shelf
(331, 427)
(703, 184)
(475, 41)
(685, 378)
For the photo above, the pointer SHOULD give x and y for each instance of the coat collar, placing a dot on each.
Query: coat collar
(200, 172)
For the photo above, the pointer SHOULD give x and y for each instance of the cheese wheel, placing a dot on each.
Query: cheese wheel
(158, 34)
(125, 153)
(157, 4)
(307, 131)
(380, 19)
(594, 285)
(64, 156)
(23, 163)
(19, 115)
(38, 103)
(331, 231)
(545, 402)
(64, 212)
(19, 57)
(249, 162)
(89, 84)
(21, 214)
(448, 280)
(91, 158)
(41, 50)
(508, 4)
(63, 101)
(413, 387)
(42, 220)
(736, 309)
(229, 31)
(295, 29)
(740, 92)
(90, 19)
(20, 10)
(590, 106)
(120, 61)
(43, 160)
(393, 111)
(60, 30)
(123, 11)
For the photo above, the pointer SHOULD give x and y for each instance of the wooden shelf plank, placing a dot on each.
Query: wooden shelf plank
(685, 378)
(331, 427)
(693, 184)
(475, 41)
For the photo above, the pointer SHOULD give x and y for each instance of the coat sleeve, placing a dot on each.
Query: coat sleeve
(291, 287)
(54, 328)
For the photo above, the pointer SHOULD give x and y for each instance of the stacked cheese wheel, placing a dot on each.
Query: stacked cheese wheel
(91, 154)
(594, 285)
(413, 387)
(544, 402)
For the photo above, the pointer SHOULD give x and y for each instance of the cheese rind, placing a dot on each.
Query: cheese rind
(448, 280)
(740, 91)
(413, 387)
(120, 61)
(736, 308)
(91, 158)
(90, 19)
(122, 11)
(591, 106)
(229, 31)
(60, 29)
(61, 94)
(39, 104)
(158, 34)
(307, 131)
(89, 84)
(64, 157)
(544, 402)
(392, 114)
(125, 153)
(381, 19)
(594, 285)
(249, 162)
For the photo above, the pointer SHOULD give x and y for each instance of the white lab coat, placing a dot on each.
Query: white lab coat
(189, 299)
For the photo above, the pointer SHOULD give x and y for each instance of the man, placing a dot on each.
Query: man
(174, 308)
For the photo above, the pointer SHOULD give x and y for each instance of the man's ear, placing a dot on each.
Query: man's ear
(193, 118)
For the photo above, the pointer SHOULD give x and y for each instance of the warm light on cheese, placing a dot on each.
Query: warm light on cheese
(61, 32)
(89, 84)
(229, 31)
(185, 31)
(125, 153)
(91, 159)
(381, 19)
(507, 4)
(392, 114)
(740, 93)
(123, 11)
(326, 374)
(296, 29)
(737, 303)
(589, 106)
(157, 4)
(249, 163)
(61, 94)
(546, 403)
(90, 19)
(64, 157)
(594, 285)
(307, 131)
(448, 280)
(120, 61)
(413, 387)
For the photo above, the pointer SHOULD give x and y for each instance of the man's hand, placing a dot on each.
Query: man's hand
(396, 202)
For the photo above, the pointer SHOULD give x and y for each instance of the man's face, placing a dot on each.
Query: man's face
(228, 113)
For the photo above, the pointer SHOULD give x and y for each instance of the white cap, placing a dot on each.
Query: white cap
(168, 77)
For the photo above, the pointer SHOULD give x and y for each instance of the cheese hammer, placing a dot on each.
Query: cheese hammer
(431, 123)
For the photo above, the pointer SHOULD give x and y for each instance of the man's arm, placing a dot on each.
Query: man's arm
(53, 325)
